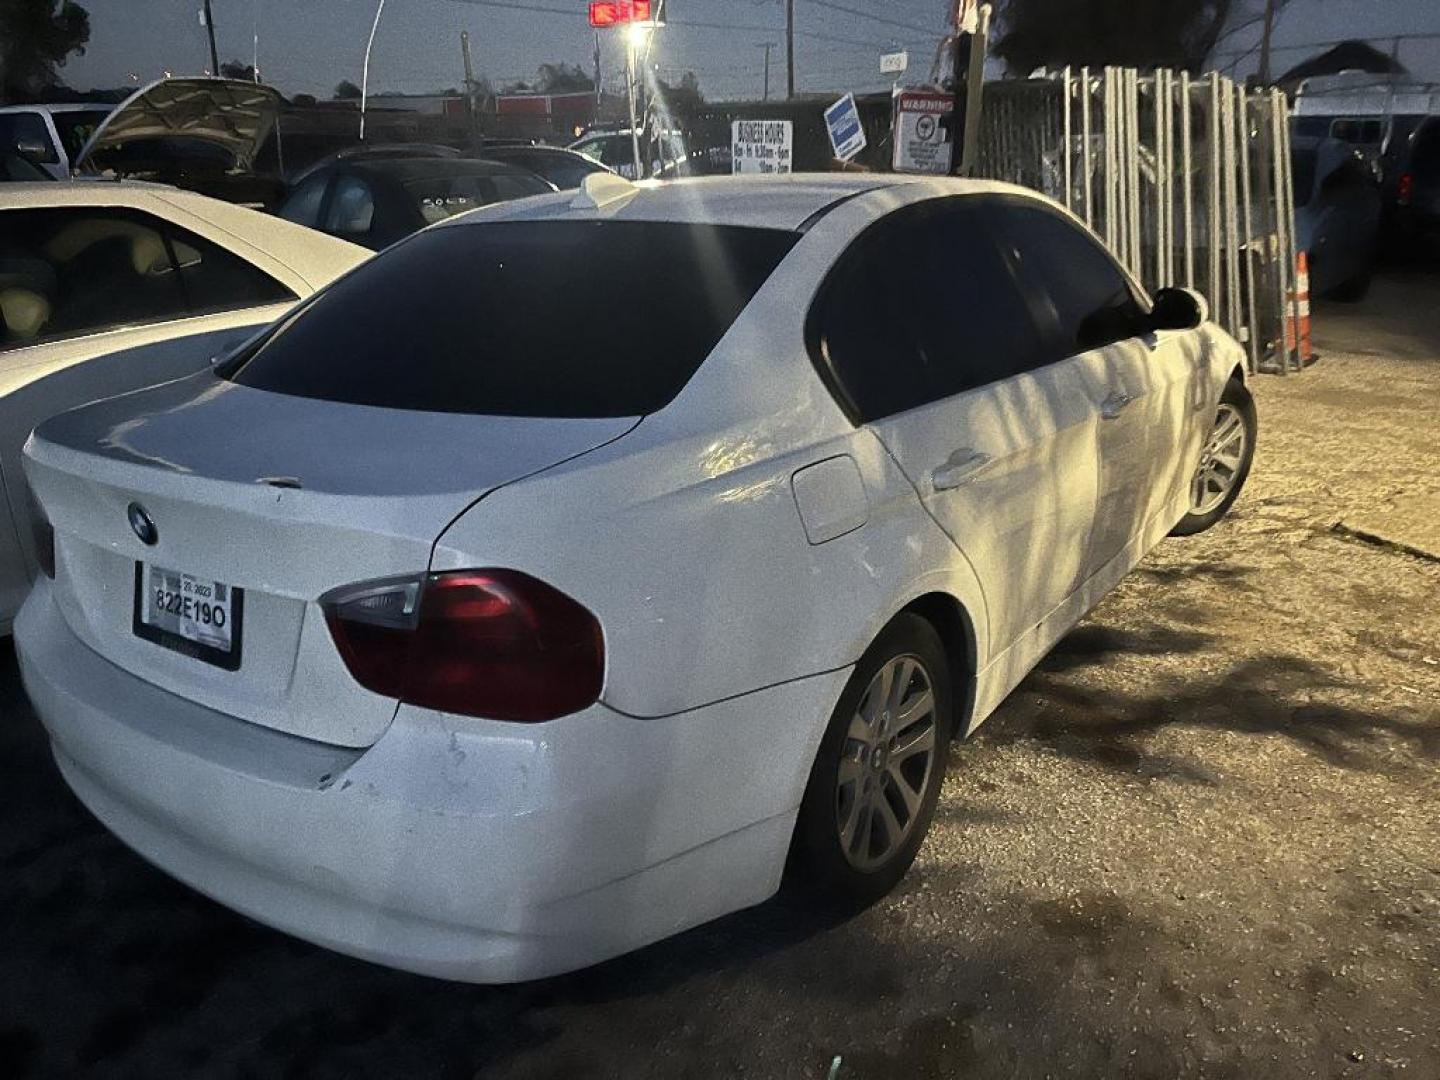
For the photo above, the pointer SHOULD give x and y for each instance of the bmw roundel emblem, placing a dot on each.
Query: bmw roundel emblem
(143, 524)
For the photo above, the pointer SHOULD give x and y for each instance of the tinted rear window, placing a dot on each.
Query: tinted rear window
(440, 197)
(525, 318)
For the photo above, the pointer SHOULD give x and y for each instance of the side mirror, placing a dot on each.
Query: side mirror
(1178, 309)
(34, 150)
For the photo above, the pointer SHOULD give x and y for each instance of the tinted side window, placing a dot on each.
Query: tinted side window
(218, 280)
(69, 272)
(921, 308)
(1093, 303)
(303, 206)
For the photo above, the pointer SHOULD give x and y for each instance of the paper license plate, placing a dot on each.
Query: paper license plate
(194, 616)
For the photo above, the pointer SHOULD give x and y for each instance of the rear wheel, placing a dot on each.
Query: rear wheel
(1225, 461)
(873, 787)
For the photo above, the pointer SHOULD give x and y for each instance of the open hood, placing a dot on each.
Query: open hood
(232, 114)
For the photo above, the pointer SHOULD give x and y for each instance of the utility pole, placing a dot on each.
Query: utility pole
(599, 86)
(471, 112)
(1265, 35)
(790, 48)
(767, 47)
(631, 44)
(210, 29)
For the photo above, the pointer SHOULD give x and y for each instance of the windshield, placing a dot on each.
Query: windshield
(76, 128)
(526, 318)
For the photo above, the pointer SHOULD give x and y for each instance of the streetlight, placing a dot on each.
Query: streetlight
(638, 19)
(365, 72)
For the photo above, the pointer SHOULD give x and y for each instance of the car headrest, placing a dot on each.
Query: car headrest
(147, 249)
(23, 313)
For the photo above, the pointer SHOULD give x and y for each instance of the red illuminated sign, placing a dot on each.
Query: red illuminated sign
(620, 12)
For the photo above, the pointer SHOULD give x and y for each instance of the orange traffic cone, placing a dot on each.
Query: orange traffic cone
(1297, 315)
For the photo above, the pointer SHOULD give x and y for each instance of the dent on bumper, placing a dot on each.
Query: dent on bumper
(465, 849)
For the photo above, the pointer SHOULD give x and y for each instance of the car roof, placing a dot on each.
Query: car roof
(764, 202)
(424, 168)
(92, 106)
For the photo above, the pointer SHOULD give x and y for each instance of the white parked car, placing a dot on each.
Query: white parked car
(107, 287)
(544, 587)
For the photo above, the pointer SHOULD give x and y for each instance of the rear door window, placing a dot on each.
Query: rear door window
(1079, 284)
(524, 318)
(922, 307)
(69, 272)
(218, 280)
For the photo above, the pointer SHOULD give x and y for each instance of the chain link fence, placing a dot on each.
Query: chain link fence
(1186, 179)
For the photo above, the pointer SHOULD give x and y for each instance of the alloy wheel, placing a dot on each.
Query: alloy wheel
(886, 763)
(1220, 462)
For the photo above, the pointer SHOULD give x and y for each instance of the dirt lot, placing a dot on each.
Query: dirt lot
(1201, 841)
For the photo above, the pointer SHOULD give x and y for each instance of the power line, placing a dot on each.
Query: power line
(872, 17)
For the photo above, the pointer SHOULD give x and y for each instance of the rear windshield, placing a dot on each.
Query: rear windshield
(440, 197)
(524, 318)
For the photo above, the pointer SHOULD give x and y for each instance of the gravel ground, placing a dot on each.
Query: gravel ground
(1200, 841)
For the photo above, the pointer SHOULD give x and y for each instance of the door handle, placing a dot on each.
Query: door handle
(962, 467)
(1115, 404)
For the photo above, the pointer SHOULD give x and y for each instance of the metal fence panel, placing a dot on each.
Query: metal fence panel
(1186, 180)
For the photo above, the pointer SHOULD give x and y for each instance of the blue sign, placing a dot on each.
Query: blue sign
(847, 134)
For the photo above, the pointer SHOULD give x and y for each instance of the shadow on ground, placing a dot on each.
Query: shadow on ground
(1274, 694)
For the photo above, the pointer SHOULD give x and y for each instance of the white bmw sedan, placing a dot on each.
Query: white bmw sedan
(108, 287)
(572, 571)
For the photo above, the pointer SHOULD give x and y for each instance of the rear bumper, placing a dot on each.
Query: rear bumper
(462, 849)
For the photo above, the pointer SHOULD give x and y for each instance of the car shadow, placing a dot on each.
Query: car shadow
(1110, 721)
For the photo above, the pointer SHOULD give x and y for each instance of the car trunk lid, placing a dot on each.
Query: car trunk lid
(283, 498)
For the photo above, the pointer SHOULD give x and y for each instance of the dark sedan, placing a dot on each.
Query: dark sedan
(379, 201)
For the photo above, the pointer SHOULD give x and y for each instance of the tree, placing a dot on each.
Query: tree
(346, 90)
(1131, 33)
(234, 69)
(684, 97)
(36, 37)
(563, 79)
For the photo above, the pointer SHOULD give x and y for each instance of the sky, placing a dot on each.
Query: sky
(307, 46)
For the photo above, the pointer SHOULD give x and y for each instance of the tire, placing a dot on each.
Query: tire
(822, 867)
(1235, 403)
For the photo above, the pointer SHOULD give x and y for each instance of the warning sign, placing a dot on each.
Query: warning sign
(762, 146)
(922, 132)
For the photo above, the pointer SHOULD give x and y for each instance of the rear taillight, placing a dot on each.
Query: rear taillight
(44, 536)
(492, 643)
(1405, 191)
